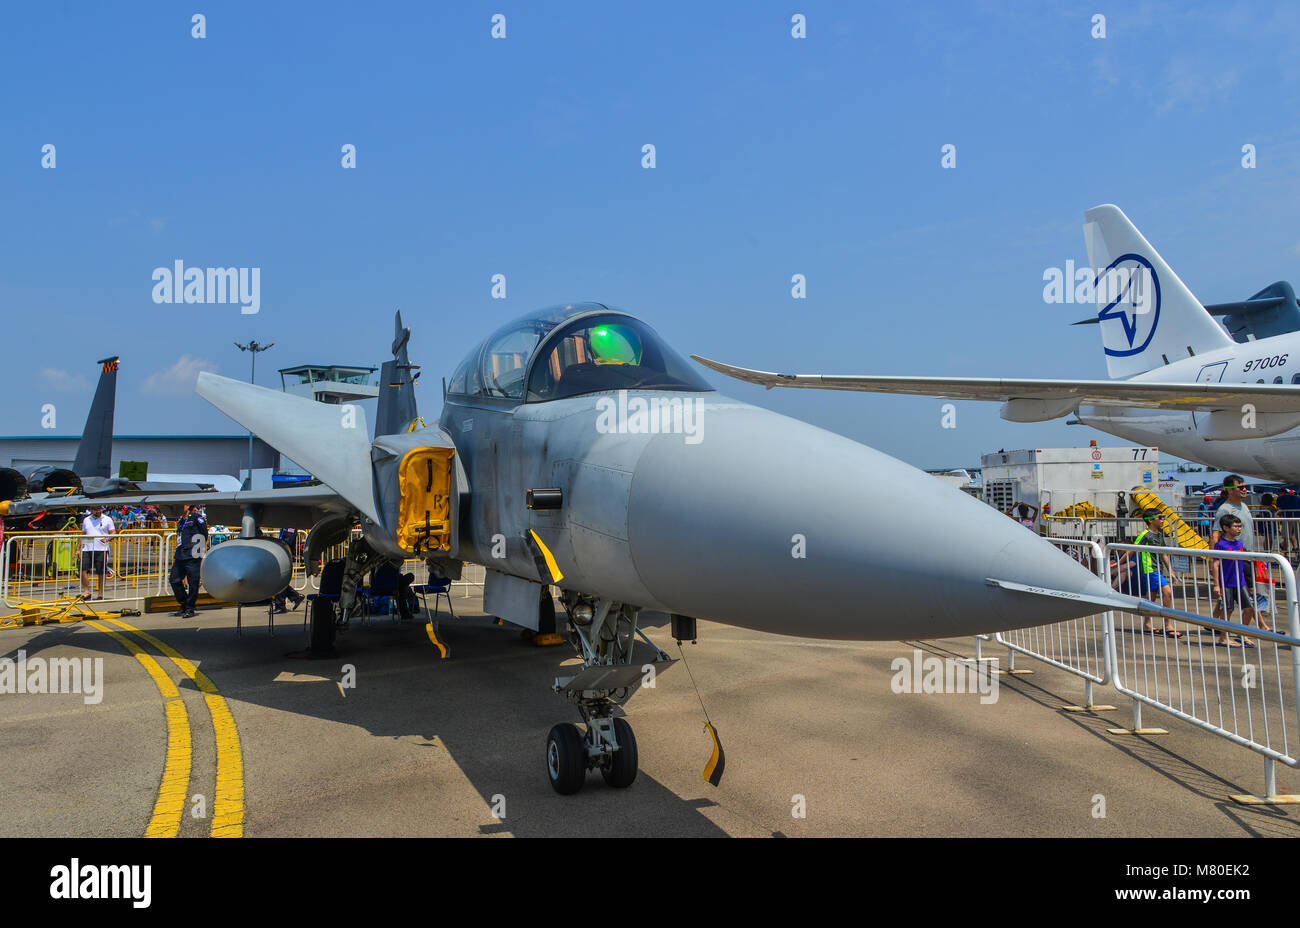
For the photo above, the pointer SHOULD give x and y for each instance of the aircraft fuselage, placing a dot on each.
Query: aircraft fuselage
(762, 521)
(1274, 454)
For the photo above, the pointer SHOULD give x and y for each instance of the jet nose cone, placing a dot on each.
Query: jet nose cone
(1032, 561)
(774, 524)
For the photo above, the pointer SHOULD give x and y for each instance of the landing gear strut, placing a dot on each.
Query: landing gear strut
(604, 634)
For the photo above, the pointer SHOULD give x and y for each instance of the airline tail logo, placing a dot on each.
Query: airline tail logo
(1129, 292)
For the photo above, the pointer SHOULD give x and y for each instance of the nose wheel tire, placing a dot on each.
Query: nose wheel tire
(566, 758)
(620, 770)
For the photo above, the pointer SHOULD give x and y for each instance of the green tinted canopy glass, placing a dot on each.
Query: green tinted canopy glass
(615, 344)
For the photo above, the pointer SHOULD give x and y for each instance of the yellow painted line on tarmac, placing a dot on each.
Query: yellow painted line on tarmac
(166, 819)
(228, 808)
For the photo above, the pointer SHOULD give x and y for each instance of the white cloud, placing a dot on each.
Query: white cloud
(63, 382)
(157, 224)
(179, 378)
(1186, 82)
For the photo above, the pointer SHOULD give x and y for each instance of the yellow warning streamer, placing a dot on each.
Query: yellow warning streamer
(718, 760)
(433, 636)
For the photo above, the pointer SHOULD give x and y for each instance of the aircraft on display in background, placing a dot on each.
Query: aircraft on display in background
(91, 471)
(1178, 380)
(577, 450)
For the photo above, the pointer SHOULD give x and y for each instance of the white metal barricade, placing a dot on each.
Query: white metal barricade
(1064, 526)
(1277, 535)
(472, 577)
(1223, 676)
(1080, 646)
(43, 567)
(1116, 529)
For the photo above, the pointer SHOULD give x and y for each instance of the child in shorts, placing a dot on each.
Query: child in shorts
(1233, 582)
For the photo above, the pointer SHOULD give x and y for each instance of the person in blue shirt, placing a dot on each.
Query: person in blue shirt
(1204, 517)
(187, 564)
(1233, 583)
(289, 538)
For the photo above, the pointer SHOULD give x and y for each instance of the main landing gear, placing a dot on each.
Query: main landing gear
(604, 635)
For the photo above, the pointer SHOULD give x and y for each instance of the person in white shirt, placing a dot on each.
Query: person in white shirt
(95, 529)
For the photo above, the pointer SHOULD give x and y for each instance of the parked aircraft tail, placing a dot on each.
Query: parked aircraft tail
(95, 451)
(1148, 317)
(1271, 311)
(397, 411)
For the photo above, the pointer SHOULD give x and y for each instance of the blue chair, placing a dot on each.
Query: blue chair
(440, 587)
(384, 582)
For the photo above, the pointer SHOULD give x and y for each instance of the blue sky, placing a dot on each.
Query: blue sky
(522, 156)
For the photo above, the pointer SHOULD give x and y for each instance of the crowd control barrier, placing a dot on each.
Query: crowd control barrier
(1079, 646)
(1222, 674)
(43, 567)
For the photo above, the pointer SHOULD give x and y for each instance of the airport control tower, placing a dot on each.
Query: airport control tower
(329, 383)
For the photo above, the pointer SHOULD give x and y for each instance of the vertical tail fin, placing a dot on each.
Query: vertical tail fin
(95, 451)
(1148, 317)
(397, 409)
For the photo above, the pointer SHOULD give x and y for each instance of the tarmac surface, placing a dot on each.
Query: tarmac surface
(816, 741)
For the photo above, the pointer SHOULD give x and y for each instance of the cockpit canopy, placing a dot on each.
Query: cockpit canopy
(572, 350)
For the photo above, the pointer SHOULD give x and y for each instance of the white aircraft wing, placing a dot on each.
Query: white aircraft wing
(1062, 394)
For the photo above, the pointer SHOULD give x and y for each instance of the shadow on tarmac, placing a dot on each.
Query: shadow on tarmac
(1187, 775)
(490, 705)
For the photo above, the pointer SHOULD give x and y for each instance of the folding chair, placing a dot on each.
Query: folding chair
(439, 587)
(384, 581)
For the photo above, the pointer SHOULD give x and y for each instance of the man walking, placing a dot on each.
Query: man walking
(191, 545)
(1235, 505)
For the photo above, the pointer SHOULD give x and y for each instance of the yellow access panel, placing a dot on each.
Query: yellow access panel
(424, 517)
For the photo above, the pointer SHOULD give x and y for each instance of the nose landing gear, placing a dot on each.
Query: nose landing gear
(566, 758)
(605, 636)
(611, 749)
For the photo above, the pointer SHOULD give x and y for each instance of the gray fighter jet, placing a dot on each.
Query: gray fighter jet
(577, 450)
(91, 470)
